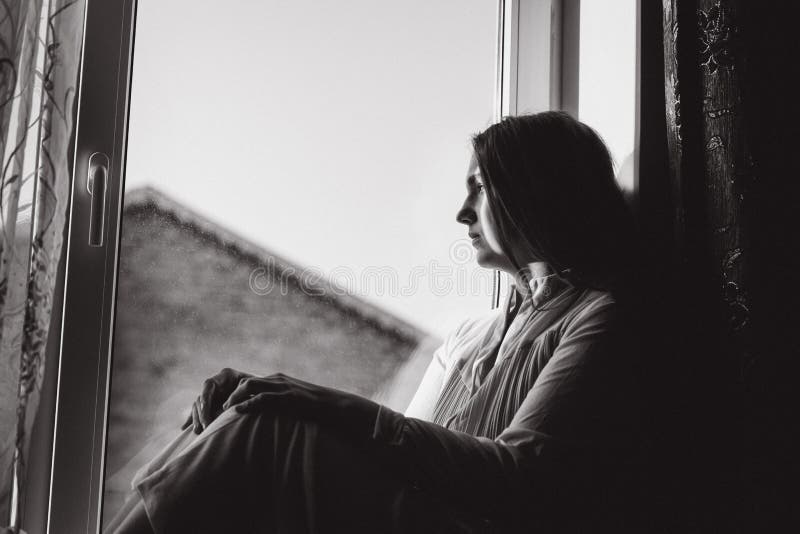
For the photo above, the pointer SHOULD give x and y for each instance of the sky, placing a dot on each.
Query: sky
(336, 134)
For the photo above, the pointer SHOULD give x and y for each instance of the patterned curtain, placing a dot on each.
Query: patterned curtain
(711, 174)
(710, 161)
(733, 122)
(40, 45)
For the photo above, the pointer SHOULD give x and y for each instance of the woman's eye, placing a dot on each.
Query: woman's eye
(479, 188)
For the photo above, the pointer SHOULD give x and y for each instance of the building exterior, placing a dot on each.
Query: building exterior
(194, 298)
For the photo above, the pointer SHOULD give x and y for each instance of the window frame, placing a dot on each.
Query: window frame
(537, 66)
(81, 404)
(537, 59)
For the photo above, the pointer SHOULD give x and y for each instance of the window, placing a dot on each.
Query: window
(290, 199)
(608, 78)
(292, 176)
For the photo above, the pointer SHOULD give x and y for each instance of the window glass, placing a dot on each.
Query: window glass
(293, 176)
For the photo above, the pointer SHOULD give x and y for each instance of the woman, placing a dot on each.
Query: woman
(524, 419)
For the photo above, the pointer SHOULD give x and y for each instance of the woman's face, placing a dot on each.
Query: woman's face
(481, 228)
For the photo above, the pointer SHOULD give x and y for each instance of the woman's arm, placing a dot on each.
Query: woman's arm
(568, 425)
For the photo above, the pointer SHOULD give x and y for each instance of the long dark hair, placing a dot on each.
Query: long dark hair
(550, 185)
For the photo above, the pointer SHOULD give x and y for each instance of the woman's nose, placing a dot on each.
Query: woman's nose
(466, 215)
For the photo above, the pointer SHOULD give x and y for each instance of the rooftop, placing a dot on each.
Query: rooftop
(144, 198)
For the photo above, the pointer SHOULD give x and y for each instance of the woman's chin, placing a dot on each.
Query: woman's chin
(489, 259)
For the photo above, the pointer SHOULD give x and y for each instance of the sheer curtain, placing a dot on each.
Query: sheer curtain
(40, 50)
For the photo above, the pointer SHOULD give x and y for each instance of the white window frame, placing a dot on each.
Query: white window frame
(536, 66)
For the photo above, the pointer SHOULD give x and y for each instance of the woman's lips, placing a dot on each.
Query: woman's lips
(476, 239)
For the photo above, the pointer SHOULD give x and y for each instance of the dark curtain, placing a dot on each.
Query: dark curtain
(719, 209)
(771, 367)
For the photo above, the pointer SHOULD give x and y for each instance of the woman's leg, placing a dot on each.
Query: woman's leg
(264, 473)
(181, 441)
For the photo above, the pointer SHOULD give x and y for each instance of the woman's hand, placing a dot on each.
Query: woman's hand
(344, 411)
(216, 391)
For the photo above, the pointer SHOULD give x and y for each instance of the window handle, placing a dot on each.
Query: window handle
(96, 185)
